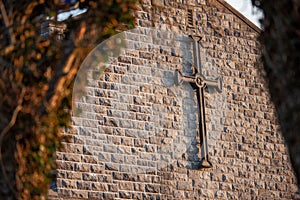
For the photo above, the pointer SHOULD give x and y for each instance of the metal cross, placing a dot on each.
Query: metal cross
(199, 83)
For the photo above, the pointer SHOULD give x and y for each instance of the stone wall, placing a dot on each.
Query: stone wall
(136, 134)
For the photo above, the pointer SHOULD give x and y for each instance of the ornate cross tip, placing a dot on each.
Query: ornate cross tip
(205, 164)
(196, 38)
(178, 78)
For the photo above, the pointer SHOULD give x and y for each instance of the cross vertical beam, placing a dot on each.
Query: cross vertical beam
(199, 84)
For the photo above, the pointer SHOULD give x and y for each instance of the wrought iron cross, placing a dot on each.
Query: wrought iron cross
(199, 83)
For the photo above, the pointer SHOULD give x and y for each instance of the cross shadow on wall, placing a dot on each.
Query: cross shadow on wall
(190, 136)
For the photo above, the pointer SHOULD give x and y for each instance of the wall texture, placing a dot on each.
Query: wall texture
(135, 137)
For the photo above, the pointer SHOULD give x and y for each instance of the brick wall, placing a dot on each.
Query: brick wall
(135, 136)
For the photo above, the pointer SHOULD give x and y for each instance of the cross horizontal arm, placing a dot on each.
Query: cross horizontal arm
(199, 80)
(216, 83)
(179, 78)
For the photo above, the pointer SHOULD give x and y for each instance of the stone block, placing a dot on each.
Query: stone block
(73, 175)
(152, 188)
(125, 194)
(89, 177)
(124, 185)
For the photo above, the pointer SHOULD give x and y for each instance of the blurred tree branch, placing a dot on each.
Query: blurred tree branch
(4, 132)
(44, 67)
(7, 22)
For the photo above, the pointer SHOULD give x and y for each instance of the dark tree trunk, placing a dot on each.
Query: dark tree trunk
(281, 57)
(9, 165)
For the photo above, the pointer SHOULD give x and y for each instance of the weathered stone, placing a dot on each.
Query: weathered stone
(152, 188)
(73, 175)
(89, 177)
(99, 186)
(112, 167)
(125, 195)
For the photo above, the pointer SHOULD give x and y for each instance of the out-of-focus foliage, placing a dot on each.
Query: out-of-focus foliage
(36, 75)
(281, 57)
